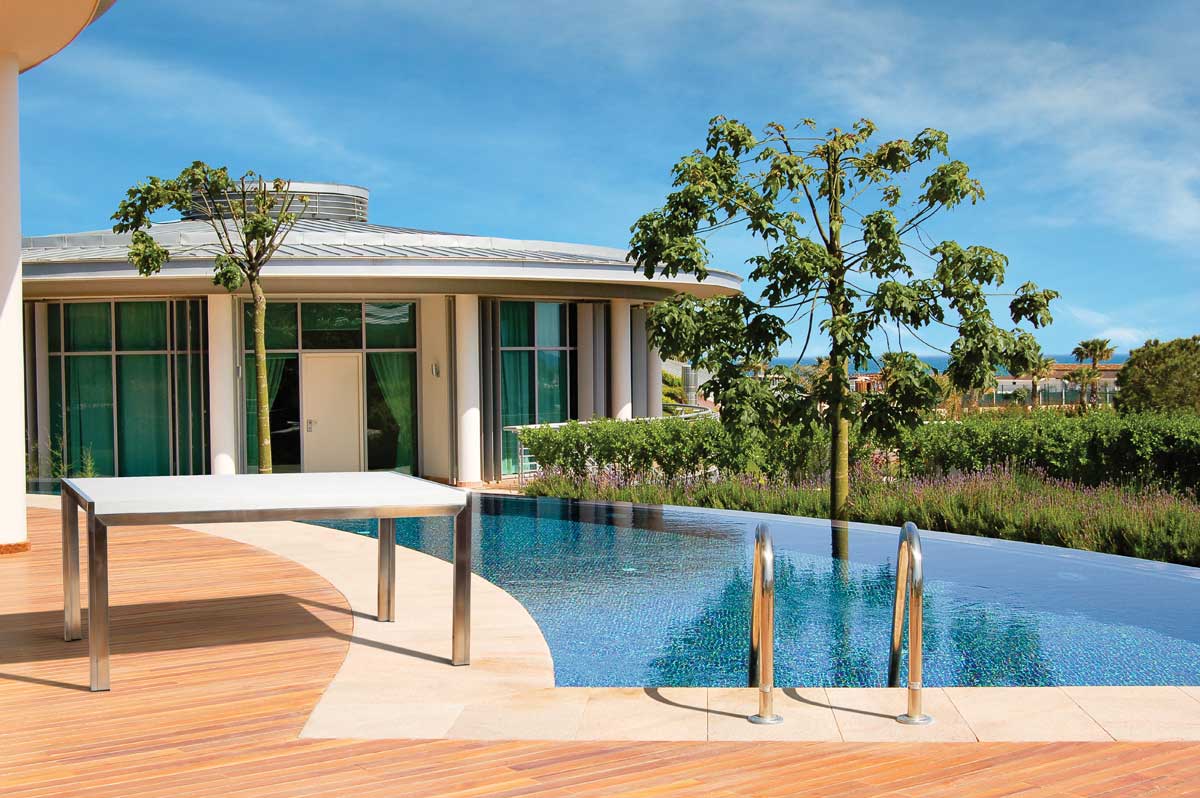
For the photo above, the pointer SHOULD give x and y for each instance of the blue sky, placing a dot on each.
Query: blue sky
(561, 120)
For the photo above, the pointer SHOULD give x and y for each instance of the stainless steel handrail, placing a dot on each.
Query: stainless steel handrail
(762, 627)
(910, 583)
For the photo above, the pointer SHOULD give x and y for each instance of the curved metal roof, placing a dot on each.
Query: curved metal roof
(337, 249)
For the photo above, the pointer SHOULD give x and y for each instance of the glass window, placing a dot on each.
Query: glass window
(392, 411)
(190, 410)
(283, 395)
(391, 325)
(141, 326)
(54, 328)
(551, 324)
(516, 324)
(280, 325)
(331, 325)
(143, 424)
(552, 382)
(56, 407)
(88, 327)
(89, 415)
(516, 401)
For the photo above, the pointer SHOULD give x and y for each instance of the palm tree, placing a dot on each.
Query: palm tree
(1041, 370)
(1096, 350)
(1087, 378)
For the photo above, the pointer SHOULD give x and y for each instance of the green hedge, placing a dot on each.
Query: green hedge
(1152, 524)
(1092, 448)
(669, 449)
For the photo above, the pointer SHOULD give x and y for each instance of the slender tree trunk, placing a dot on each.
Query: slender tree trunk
(263, 396)
(839, 424)
(1035, 399)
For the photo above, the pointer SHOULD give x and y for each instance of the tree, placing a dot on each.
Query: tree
(1161, 375)
(251, 218)
(1039, 370)
(1097, 350)
(860, 283)
(1086, 378)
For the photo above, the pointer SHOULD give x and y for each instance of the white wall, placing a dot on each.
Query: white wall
(467, 393)
(13, 535)
(585, 359)
(620, 380)
(224, 407)
(434, 420)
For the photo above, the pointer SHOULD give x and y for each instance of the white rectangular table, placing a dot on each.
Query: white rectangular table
(134, 501)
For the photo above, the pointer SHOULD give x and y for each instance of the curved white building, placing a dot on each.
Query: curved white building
(388, 347)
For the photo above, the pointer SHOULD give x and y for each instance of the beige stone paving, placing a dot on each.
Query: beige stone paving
(1141, 713)
(396, 680)
(1024, 714)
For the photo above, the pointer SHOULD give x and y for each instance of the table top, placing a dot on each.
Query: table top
(263, 497)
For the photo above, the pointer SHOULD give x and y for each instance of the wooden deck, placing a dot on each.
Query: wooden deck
(220, 650)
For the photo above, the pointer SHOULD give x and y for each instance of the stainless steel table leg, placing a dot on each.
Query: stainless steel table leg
(387, 569)
(72, 623)
(98, 601)
(461, 648)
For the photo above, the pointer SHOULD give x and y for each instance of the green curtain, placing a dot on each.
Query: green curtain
(87, 326)
(395, 372)
(275, 368)
(143, 424)
(90, 415)
(516, 401)
(142, 326)
(516, 324)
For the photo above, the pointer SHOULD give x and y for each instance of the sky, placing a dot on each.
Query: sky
(561, 120)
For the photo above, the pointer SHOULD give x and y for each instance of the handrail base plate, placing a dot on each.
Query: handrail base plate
(909, 720)
(765, 720)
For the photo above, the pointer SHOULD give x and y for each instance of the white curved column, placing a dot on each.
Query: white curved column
(654, 394)
(13, 535)
(466, 366)
(620, 350)
(223, 403)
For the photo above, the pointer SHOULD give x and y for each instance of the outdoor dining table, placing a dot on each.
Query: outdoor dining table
(142, 501)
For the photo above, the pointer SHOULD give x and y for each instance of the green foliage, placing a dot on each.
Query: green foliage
(672, 390)
(668, 450)
(1161, 375)
(1091, 448)
(995, 503)
(790, 192)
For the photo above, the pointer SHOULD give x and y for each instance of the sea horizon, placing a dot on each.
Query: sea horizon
(939, 361)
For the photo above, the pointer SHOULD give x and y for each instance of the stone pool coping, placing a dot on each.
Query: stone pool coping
(396, 680)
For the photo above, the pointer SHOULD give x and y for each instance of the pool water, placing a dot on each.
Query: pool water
(660, 596)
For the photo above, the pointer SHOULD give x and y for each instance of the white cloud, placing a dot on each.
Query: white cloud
(1098, 324)
(1104, 127)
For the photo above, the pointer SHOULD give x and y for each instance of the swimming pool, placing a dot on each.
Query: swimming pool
(659, 596)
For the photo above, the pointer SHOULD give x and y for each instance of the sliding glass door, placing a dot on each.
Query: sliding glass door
(382, 334)
(536, 346)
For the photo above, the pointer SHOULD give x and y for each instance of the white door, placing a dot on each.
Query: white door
(331, 386)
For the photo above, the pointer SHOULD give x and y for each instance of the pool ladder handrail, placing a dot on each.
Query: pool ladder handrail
(910, 583)
(762, 627)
